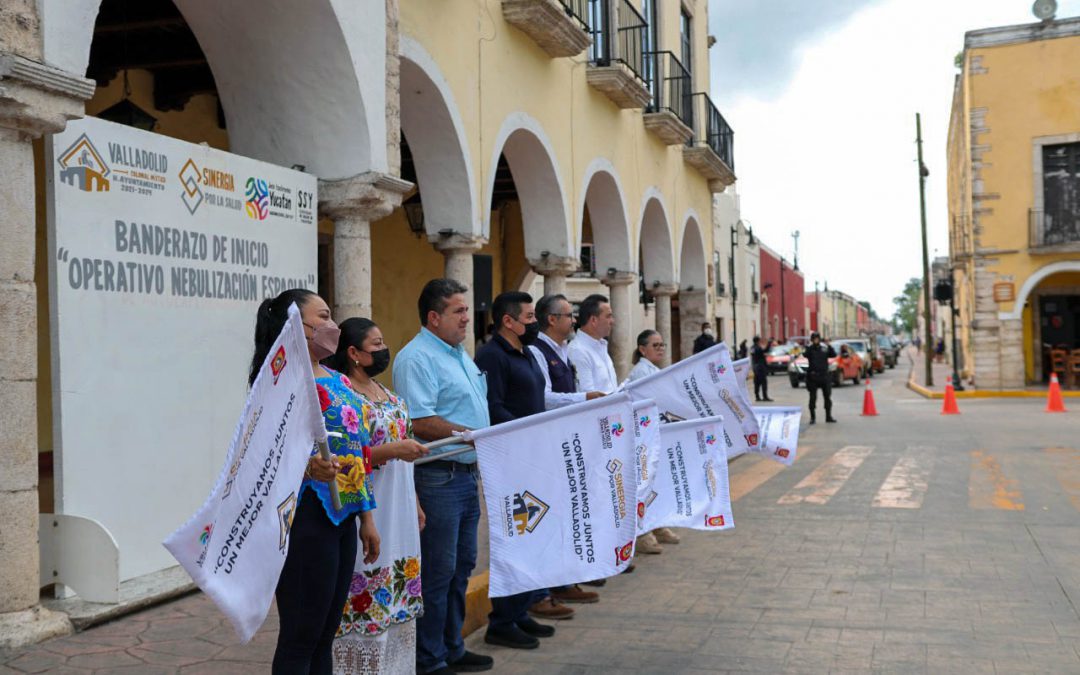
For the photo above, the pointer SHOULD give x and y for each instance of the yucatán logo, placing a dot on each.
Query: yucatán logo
(257, 198)
(523, 513)
(82, 166)
(611, 427)
(716, 371)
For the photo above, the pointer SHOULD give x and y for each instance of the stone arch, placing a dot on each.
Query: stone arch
(431, 123)
(1032, 282)
(655, 240)
(532, 162)
(603, 197)
(272, 82)
(692, 263)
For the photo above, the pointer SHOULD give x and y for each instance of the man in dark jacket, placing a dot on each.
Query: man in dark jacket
(761, 370)
(705, 340)
(817, 376)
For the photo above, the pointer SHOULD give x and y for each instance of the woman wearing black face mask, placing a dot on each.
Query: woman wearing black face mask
(377, 633)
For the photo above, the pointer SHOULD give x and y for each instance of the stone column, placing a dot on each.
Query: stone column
(555, 270)
(353, 203)
(34, 99)
(692, 313)
(662, 295)
(458, 250)
(621, 343)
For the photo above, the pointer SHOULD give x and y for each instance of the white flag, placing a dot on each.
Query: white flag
(742, 369)
(779, 432)
(560, 489)
(647, 437)
(704, 385)
(691, 488)
(235, 545)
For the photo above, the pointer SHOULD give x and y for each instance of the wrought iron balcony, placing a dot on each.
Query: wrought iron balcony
(670, 114)
(617, 57)
(1053, 232)
(712, 149)
(560, 27)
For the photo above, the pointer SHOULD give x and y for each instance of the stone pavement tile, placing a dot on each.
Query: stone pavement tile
(259, 650)
(82, 643)
(779, 598)
(965, 666)
(36, 661)
(177, 628)
(717, 645)
(810, 656)
(1054, 655)
(899, 657)
(739, 664)
(107, 661)
(225, 668)
(115, 629)
(805, 580)
(820, 613)
(140, 669)
(1066, 627)
(69, 670)
(823, 634)
(784, 632)
(179, 652)
(861, 636)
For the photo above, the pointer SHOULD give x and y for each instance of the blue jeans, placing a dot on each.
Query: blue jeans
(451, 501)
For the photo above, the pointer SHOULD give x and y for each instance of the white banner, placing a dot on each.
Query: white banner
(647, 437)
(742, 369)
(560, 489)
(235, 545)
(704, 385)
(779, 432)
(160, 252)
(691, 487)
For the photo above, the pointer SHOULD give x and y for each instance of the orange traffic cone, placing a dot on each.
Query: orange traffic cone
(1053, 398)
(950, 407)
(868, 407)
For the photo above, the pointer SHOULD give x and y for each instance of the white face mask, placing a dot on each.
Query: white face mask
(708, 331)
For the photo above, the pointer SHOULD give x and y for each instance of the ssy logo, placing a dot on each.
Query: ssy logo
(278, 364)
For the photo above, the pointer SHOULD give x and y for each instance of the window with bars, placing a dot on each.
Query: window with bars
(686, 39)
(1061, 194)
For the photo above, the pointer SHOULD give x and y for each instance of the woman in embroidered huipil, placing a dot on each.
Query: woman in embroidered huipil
(323, 541)
(377, 633)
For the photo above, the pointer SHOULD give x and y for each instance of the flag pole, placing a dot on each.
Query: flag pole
(449, 440)
(324, 452)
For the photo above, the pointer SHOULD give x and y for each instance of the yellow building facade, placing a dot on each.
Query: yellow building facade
(1014, 200)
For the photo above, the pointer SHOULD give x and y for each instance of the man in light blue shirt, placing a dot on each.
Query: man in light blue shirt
(445, 392)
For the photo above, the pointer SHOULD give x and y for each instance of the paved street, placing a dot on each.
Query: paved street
(910, 542)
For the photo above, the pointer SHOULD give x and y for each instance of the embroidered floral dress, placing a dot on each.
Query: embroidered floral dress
(342, 410)
(377, 633)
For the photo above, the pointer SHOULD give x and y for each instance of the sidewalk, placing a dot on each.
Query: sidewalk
(943, 371)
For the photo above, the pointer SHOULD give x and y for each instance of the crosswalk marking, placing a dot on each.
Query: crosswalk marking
(906, 484)
(1067, 468)
(747, 481)
(826, 480)
(989, 487)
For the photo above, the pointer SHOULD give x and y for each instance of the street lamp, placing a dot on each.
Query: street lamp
(734, 311)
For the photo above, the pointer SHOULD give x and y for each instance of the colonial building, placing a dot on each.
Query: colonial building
(736, 260)
(783, 311)
(1014, 199)
(554, 145)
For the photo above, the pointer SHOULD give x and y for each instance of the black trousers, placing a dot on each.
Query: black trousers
(312, 589)
(813, 383)
(761, 382)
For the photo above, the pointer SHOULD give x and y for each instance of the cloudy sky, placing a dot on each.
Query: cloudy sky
(822, 95)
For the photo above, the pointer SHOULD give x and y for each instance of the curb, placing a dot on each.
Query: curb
(995, 393)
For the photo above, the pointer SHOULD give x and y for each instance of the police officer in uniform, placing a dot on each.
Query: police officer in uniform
(817, 375)
(761, 370)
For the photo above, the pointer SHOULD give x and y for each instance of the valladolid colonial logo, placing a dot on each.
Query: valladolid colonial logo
(81, 166)
(524, 512)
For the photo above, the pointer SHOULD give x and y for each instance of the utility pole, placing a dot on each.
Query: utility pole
(923, 173)
(957, 384)
(734, 310)
(783, 306)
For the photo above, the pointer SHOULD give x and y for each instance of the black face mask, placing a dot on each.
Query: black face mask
(380, 362)
(532, 331)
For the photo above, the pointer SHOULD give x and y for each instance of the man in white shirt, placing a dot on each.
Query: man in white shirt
(556, 319)
(589, 350)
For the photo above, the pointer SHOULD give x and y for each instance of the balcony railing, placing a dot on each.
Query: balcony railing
(712, 129)
(1053, 230)
(621, 41)
(670, 86)
(578, 10)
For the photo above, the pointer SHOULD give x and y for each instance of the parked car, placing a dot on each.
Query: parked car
(890, 349)
(797, 371)
(877, 357)
(854, 358)
(778, 358)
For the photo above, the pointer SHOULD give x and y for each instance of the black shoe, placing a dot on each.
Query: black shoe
(599, 583)
(535, 628)
(830, 419)
(510, 636)
(813, 421)
(471, 662)
(767, 399)
(758, 399)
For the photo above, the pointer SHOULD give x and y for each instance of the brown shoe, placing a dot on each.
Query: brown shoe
(576, 594)
(598, 583)
(647, 543)
(551, 609)
(665, 536)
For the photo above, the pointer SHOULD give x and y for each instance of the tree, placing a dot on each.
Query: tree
(907, 305)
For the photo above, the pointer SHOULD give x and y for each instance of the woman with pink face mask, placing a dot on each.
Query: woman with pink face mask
(323, 541)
